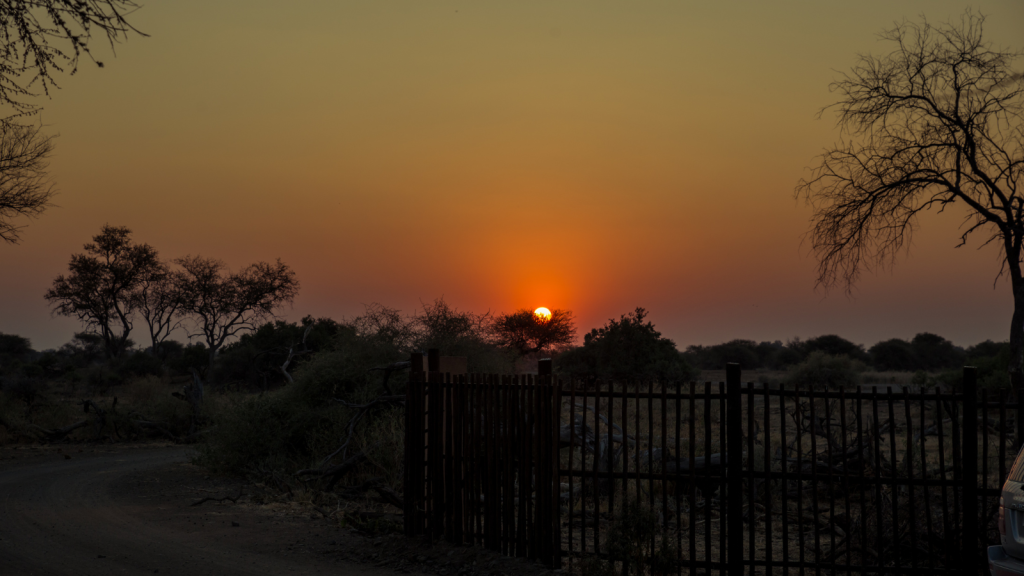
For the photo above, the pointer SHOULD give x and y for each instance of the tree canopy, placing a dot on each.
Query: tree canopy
(101, 286)
(627, 350)
(527, 333)
(223, 303)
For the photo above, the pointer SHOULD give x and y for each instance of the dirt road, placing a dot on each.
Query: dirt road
(124, 512)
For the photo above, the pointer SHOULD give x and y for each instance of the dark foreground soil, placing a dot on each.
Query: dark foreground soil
(86, 509)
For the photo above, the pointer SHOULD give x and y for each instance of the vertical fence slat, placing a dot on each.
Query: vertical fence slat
(572, 449)
(768, 499)
(784, 447)
(723, 503)
(751, 481)
(924, 475)
(844, 445)
(970, 474)
(946, 520)
(734, 478)
(678, 474)
(799, 477)
(909, 459)
(692, 486)
(814, 424)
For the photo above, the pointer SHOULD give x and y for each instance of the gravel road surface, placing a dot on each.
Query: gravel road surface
(122, 512)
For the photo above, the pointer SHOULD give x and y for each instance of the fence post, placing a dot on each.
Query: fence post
(734, 469)
(435, 446)
(433, 360)
(544, 367)
(1018, 389)
(970, 474)
(413, 482)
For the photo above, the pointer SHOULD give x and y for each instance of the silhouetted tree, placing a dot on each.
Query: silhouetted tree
(387, 325)
(627, 350)
(936, 122)
(460, 333)
(716, 356)
(526, 332)
(100, 289)
(14, 350)
(25, 189)
(158, 300)
(934, 352)
(271, 353)
(43, 36)
(444, 327)
(893, 355)
(37, 38)
(224, 304)
(834, 346)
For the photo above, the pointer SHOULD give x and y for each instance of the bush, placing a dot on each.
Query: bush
(821, 370)
(141, 363)
(298, 426)
(256, 358)
(627, 350)
(182, 359)
(635, 547)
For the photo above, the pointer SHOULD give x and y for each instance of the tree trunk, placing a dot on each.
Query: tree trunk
(1017, 345)
(209, 367)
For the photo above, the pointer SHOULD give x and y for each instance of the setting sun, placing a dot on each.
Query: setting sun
(543, 313)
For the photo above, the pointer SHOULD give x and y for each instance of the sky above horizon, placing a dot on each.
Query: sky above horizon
(594, 157)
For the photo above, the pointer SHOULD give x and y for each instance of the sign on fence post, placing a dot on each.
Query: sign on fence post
(734, 469)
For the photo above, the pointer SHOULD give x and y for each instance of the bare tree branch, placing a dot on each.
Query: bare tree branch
(25, 189)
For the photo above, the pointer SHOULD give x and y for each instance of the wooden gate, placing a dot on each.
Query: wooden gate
(481, 460)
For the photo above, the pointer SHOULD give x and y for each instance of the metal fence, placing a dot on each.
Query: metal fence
(874, 480)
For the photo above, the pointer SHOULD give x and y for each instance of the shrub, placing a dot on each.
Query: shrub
(627, 349)
(825, 370)
(298, 426)
(635, 547)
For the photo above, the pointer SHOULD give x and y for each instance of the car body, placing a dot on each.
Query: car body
(1007, 559)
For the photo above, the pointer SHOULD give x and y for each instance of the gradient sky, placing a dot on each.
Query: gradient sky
(592, 156)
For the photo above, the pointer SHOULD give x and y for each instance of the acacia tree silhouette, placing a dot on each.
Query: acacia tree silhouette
(224, 304)
(526, 332)
(936, 122)
(101, 286)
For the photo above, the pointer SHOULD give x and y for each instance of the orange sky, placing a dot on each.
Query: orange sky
(595, 156)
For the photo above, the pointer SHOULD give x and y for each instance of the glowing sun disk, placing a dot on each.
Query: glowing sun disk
(543, 313)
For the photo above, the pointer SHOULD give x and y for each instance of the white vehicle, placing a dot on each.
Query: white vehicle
(1007, 559)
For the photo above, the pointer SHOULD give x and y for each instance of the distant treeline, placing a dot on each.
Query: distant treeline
(927, 352)
(269, 354)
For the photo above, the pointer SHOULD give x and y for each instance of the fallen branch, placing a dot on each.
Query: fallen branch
(335, 472)
(48, 435)
(363, 409)
(387, 495)
(388, 369)
(283, 368)
(233, 499)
